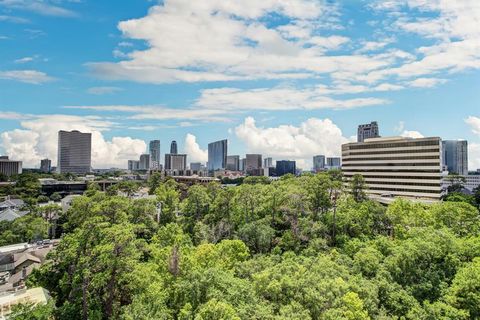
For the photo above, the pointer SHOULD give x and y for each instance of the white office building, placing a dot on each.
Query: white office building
(397, 167)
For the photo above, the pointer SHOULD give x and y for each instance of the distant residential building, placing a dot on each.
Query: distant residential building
(195, 166)
(173, 147)
(455, 156)
(367, 131)
(318, 163)
(74, 152)
(10, 167)
(133, 165)
(396, 167)
(334, 162)
(284, 167)
(45, 165)
(144, 162)
(233, 163)
(217, 155)
(154, 149)
(268, 162)
(253, 163)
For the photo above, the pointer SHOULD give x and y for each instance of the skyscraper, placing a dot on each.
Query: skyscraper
(133, 165)
(366, 131)
(254, 161)
(284, 167)
(318, 163)
(455, 156)
(217, 155)
(155, 154)
(268, 162)
(195, 166)
(74, 152)
(144, 162)
(45, 165)
(233, 163)
(333, 163)
(173, 147)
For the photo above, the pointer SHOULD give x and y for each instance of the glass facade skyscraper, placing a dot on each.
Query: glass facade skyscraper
(173, 147)
(217, 155)
(155, 154)
(455, 156)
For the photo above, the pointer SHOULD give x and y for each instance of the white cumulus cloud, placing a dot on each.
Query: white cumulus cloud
(193, 150)
(287, 142)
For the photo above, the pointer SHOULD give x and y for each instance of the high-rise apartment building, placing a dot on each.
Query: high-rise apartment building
(455, 156)
(318, 163)
(367, 131)
(144, 162)
(268, 162)
(333, 163)
(217, 155)
(74, 152)
(10, 167)
(396, 167)
(173, 147)
(233, 163)
(284, 167)
(154, 149)
(45, 165)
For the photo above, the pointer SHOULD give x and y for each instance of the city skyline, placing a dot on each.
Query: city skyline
(287, 82)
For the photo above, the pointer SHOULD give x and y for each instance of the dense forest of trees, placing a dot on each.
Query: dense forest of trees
(297, 248)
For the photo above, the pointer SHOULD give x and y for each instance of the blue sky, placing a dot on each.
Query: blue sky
(286, 79)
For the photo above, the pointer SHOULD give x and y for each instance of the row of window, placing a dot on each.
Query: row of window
(407, 164)
(353, 153)
(372, 183)
(393, 158)
(398, 177)
(415, 143)
(406, 190)
(361, 171)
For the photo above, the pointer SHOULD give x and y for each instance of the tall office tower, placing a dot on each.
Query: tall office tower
(455, 156)
(396, 167)
(254, 161)
(217, 155)
(233, 163)
(175, 162)
(133, 165)
(154, 154)
(333, 163)
(45, 165)
(10, 167)
(144, 162)
(268, 162)
(74, 152)
(366, 131)
(318, 163)
(284, 167)
(195, 166)
(242, 165)
(173, 147)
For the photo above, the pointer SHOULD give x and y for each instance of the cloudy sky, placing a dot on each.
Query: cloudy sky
(289, 79)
